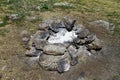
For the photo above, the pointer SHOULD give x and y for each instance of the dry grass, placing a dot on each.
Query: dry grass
(10, 40)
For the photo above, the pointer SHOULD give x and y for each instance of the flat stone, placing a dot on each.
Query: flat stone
(56, 27)
(52, 49)
(104, 24)
(49, 62)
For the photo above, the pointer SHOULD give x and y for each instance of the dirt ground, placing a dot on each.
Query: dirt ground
(102, 66)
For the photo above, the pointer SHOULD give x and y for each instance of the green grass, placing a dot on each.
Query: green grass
(94, 9)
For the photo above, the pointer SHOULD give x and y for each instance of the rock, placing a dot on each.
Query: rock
(25, 40)
(78, 26)
(58, 45)
(49, 62)
(39, 43)
(56, 27)
(82, 33)
(106, 25)
(73, 54)
(74, 61)
(37, 8)
(95, 45)
(40, 39)
(72, 51)
(90, 38)
(53, 49)
(63, 65)
(1, 23)
(93, 51)
(32, 61)
(25, 33)
(69, 23)
(33, 52)
(82, 76)
(82, 51)
(41, 35)
(61, 4)
(46, 23)
(13, 17)
(79, 41)
(31, 18)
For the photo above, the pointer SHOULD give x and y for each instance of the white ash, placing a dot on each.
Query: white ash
(62, 37)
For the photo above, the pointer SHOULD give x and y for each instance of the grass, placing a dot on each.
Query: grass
(88, 10)
(95, 9)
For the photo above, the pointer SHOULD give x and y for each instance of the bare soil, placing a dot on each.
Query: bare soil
(102, 66)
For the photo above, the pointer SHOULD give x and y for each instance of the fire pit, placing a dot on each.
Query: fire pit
(60, 44)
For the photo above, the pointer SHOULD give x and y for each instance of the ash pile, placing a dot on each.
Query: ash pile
(60, 44)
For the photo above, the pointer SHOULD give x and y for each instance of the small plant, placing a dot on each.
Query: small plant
(47, 5)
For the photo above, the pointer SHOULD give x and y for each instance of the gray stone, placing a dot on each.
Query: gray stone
(37, 8)
(78, 26)
(106, 25)
(56, 26)
(46, 23)
(32, 61)
(50, 62)
(53, 49)
(39, 43)
(13, 17)
(41, 35)
(33, 52)
(82, 33)
(63, 65)
(79, 41)
(1, 22)
(74, 61)
(25, 39)
(69, 23)
(72, 51)
(90, 38)
(93, 51)
(25, 33)
(31, 18)
(82, 51)
(95, 45)
(63, 4)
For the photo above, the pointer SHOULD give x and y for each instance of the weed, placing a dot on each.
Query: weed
(3, 32)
